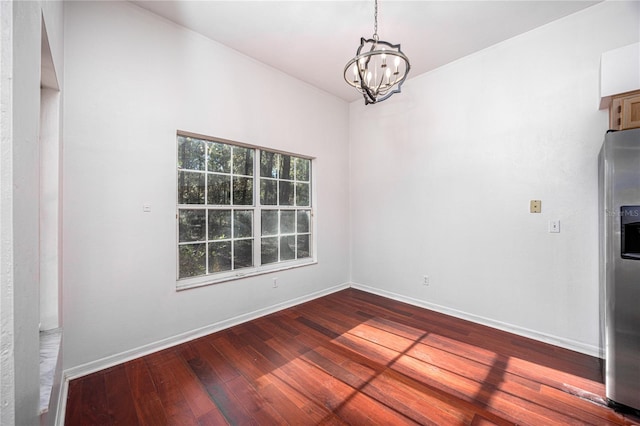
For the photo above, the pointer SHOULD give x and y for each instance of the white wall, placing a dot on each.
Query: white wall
(442, 175)
(19, 211)
(49, 208)
(131, 81)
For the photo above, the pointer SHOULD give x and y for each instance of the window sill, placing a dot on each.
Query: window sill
(50, 342)
(187, 284)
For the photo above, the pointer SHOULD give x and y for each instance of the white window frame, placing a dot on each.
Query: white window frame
(218, 277)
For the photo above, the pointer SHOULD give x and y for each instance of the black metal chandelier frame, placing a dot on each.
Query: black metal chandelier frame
(369, 71)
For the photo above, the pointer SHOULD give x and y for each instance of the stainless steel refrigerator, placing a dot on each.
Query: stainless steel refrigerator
(620, 264)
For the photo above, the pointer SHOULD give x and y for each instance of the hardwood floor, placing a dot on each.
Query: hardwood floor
(349, 358)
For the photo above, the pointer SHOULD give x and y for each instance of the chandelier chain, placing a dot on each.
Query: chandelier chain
(375, 20)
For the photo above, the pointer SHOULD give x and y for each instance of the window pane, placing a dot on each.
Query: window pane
(219, 224)
(242, 191)
(190, 153)
(219, 190)
(288, 247)
(269, 250)
(269, 222)
(192, 260)
(242, 224)
(191, 226)
(243, 161)
(190, 188)
(303, 246)
(286, 167)
(302, 169)
(268, 192)
(287, 221)
(269, 164)
(220, 256)
(286, 193)
(303, 221)
(242, 254)
(302, 194)
(219, 157)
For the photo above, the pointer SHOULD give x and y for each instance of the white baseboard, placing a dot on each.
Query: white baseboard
(119, 358)
(521, 331)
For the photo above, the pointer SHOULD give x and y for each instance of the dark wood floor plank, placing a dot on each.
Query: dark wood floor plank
(212, 418)
(440, 408)
(246, 363)
(74, 402)
(121, 406)
(281, 390)
(284, 331)
(193, 391)
(250, 395)
(341, 397)
(148, 405)
(255, 402)
(224, 370)
(175, 405)
(479, 420)
(94, 400)
(140, 380)
(186, 351)
(523, 406)
(350, 358)
(373, 384)
(601, 412)
(232, 410)
(151, 411)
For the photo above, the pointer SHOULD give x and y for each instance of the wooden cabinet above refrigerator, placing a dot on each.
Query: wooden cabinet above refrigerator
(624, 112)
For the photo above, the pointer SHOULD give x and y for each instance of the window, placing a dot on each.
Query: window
(241, 210)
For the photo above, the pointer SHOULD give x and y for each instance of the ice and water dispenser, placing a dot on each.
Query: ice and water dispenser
(630, 232)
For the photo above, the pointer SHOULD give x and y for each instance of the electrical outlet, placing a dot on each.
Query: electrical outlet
(425, 280)
(275, 283)
(554, 226)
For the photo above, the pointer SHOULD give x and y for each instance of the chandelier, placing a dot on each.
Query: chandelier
(378, 69)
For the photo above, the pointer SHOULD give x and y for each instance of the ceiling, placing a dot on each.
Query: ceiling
(313, 40)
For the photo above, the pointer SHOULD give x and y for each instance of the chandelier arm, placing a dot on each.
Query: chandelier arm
(346, 70)
(380, 84)
(369, 94)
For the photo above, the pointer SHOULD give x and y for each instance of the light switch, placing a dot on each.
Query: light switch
(535, 206)
(146, 208)
(554, 226)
